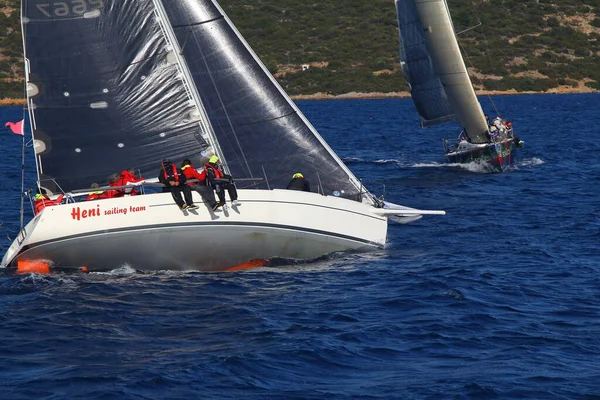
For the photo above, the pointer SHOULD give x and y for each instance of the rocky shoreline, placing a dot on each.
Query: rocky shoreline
(377, 95)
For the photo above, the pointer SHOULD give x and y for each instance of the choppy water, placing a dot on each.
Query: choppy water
(499, 299)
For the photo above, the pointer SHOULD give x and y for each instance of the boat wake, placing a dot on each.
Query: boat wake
(532, 162)
(124, 269)
(477, 167)
(357, 161)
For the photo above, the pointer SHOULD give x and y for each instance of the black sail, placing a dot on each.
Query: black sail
(103, 91)
(259, 130)
(426, 88)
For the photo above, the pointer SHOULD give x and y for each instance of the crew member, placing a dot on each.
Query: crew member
(42, 201)
(174, 181)
(299, 182)
(208, 195)
(220, 182)
(96, 195)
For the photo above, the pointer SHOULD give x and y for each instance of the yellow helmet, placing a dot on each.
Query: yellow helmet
(213, 159)
(297, 175)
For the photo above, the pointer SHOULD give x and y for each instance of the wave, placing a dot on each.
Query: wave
(532, 162)
(480, 168)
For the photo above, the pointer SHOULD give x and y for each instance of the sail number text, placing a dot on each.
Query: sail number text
(65, 8)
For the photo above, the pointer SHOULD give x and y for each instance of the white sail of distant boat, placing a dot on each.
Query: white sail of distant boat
(439, 81)
(113, 84)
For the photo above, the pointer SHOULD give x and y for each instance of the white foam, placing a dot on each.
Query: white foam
(532, 162)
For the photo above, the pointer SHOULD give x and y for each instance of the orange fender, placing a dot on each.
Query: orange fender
(248, 265)
(32, 267)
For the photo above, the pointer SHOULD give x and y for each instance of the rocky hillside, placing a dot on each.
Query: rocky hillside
(336, 47)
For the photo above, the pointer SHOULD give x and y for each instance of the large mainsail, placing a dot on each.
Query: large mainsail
(425, 86)
(104, 93)
(124, 83)
(450, 67)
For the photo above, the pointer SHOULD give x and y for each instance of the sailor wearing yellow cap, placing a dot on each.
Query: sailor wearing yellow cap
(299, 182)
(220, 182)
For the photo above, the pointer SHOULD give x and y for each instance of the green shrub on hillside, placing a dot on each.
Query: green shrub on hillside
(360, 38)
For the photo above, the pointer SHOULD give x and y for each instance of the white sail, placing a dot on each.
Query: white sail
(450, 67)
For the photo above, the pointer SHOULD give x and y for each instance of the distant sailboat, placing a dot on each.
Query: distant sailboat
(441, 89)
(113, 84)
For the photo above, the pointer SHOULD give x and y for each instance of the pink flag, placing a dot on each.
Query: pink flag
(16, 127)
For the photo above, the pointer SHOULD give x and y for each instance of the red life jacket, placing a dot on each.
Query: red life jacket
(96, 196)
(127, 177)
(174, 175)
(190, 173)
(42, 201)
(117, 192)
(217, 171)
(40, 204)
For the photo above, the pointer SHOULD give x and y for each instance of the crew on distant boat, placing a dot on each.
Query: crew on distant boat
(220, 182)
(299, 182)
(509, 129)
(174, 181)
(498, 129)
(97, 194)
(208, 195)
(42, 201)
(499, 124)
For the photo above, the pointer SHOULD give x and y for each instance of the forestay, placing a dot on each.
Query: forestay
(124, 83)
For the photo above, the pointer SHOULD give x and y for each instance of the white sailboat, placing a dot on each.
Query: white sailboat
(113, 84)
(441, 88)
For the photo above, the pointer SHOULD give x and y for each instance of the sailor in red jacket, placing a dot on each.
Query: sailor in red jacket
(174, 181)
(208, 195)
(128, 177)
(42, 201)
(220, 182)
(97, 194)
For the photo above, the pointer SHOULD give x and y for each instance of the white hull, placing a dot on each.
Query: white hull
(150, 232)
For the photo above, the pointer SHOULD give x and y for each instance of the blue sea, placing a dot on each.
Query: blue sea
(499, 299)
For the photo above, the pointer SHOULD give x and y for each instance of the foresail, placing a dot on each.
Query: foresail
(450, 67)
(425, 86)
(260, 131)
(104, 92)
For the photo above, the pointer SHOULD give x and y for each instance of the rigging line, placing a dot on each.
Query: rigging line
(23, 145)
(23, 172)
(199, 23)
(185, 41)
(474, 10)
(24, 111)
(266, 180)
(463, 49)
(293, 112)
(214, 84)
(468, 29)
